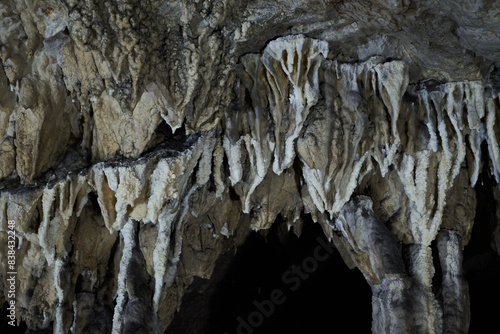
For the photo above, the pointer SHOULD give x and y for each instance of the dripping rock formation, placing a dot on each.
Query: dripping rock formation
(143, 144)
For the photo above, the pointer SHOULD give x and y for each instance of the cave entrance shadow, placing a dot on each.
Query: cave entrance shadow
(5, 328)
(260, 293)
(481, 262)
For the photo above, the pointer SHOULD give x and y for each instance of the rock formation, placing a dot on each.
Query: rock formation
(142, 140)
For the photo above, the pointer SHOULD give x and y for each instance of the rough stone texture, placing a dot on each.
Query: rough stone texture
(140, 140)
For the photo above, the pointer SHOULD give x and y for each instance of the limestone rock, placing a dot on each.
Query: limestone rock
(142, 141)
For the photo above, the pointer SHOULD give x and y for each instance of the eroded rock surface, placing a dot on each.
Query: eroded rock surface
(140, 140)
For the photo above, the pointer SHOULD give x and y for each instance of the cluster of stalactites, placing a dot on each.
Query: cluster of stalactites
(302, 135)
(346, 121)
(155, 191)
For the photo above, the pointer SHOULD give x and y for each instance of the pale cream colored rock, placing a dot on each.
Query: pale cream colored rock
(266, 209)
(7, 156)
(113, 127)
(7, 148)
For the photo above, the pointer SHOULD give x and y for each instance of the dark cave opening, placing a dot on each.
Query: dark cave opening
(298, 284)
(6, 328)
(259, 291)
(290, 287)
(481, 263)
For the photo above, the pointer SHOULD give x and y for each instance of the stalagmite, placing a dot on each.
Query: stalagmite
(375, 251)
(456, 312)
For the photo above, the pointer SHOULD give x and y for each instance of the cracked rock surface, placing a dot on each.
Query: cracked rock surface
(141, 141)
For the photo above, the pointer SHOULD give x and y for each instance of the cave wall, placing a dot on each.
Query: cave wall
(142, 140)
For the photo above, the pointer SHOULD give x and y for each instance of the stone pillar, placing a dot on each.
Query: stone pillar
(455, 290)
